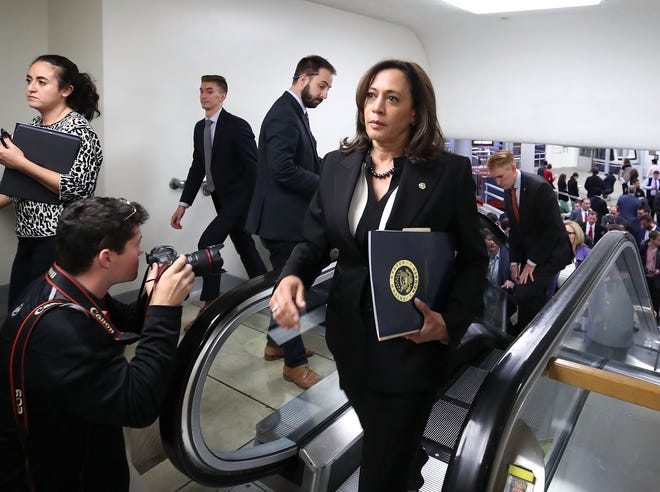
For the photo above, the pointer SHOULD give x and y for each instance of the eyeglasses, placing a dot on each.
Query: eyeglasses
(130, 205)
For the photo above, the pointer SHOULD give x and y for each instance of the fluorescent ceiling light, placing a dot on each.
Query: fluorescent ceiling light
(499, 6)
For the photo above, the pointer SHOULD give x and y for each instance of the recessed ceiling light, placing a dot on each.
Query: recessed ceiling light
(498, 6)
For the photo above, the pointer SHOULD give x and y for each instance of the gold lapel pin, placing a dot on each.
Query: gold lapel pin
(422, 185)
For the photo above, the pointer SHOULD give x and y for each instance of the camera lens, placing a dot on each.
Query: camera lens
(206, 261)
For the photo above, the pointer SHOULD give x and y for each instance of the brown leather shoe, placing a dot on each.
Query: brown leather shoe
(274, 353)
(302, 376)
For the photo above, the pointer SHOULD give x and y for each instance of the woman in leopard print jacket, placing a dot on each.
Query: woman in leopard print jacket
(66, 100)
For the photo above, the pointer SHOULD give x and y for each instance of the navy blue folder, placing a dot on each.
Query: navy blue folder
(48, 148)
(404, 265)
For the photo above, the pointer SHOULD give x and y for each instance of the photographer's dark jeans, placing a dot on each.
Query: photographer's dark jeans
(34, 256)
(294, 349)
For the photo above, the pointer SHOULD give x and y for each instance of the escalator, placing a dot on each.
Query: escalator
(600, 324)
(229, 418)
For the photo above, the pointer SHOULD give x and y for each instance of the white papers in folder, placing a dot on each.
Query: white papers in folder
(307, 322)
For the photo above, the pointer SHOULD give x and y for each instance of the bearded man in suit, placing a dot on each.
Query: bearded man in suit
(287, 178)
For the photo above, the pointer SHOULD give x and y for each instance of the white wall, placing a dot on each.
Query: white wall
(83, 45)
(154, 54)
(580, 77)
(23, 36)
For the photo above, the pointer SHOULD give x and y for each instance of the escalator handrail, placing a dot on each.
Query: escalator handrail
(480, 445)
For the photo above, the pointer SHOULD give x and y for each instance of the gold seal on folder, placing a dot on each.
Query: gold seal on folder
(404, 280)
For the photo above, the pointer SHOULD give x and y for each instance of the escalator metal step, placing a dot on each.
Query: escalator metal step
(434, 475)
(466, 387)
(445, 423)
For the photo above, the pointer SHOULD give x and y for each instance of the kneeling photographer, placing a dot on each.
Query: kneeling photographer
(66, 389)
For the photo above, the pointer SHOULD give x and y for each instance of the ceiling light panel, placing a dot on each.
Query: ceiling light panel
(501, 6)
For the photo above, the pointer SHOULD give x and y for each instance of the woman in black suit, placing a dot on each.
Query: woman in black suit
(393, 174)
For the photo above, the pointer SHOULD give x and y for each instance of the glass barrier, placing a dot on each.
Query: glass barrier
(613, 322)
(241, 388)
(601, 317)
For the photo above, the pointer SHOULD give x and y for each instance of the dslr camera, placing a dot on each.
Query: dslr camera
(204, 262)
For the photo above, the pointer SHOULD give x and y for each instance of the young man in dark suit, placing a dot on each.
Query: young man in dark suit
(226, 154)
(539, 245)
(287, 178)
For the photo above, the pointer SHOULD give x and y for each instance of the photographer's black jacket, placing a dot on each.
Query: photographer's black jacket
(80, 390)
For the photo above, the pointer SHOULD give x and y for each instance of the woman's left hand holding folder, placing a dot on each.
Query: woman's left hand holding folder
(434, 327)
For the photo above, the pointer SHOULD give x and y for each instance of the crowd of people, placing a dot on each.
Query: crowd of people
(587, 216)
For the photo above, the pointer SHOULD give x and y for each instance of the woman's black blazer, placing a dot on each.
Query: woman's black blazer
(440, 196)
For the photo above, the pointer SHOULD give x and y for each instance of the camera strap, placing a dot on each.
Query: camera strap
(69, 288)
(17, 374)
(75, 294)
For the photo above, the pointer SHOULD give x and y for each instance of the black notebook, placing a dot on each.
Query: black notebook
(404, 265)
(54, 150)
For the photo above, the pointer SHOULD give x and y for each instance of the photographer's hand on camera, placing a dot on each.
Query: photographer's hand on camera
(173, 285)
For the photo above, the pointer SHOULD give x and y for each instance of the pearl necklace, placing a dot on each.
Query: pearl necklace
(384, 175)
